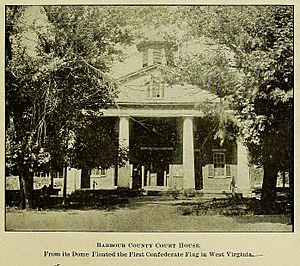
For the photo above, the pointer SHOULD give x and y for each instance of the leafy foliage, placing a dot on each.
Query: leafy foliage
(261, 39)
(96, 142)
(248, 65)
(57, 82)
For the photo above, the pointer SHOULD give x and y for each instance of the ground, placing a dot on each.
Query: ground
(144, 215)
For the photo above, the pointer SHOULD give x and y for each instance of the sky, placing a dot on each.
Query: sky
(133, 58)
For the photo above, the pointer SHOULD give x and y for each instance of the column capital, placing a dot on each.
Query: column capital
(124, 131)
(188, 116)
(124, 116)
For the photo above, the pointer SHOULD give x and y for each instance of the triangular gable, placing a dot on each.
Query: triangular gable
(146, 71)
(134, 87)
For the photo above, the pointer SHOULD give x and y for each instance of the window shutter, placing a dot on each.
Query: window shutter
(228, 170)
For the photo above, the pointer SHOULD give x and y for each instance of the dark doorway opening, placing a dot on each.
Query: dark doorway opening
(155, 144)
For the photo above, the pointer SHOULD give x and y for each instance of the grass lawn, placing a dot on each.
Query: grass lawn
(155, 215)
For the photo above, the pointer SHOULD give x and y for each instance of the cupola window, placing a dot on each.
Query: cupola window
(157, 56)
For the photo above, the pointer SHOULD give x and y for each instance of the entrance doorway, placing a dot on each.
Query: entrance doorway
(136, 177)
(155, 143)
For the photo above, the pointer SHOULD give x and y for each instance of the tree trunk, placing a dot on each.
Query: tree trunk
(51, 178)
(85, 178)
(26, 189)
(22, 193)
(269, 186)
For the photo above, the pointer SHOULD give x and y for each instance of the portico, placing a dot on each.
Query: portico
(158, 163)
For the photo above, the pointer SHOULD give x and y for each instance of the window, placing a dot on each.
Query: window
(219, 159)
(219, 164)
(57, 174)
(155, 90)
(157, 56)
(98, 172)
(228, 170)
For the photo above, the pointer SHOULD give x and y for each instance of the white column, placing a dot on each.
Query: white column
(143, 176)
(110, 175)
(124, 131)
(243, 173)
(130, 175)
(188, 153)
(124, 172)
(148, 178)
(73, 179)
(165, 178)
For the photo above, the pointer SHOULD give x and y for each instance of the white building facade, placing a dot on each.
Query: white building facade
(170, 139)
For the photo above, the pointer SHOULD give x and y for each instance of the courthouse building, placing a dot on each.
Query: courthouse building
(170, 138)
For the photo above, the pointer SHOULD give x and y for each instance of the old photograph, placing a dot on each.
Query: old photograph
(149, 118)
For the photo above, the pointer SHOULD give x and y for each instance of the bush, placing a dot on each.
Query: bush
(189, 193)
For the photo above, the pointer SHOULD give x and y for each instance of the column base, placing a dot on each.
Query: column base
(124, 178)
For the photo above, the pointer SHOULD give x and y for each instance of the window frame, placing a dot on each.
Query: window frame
(156, 90)
(98, 172)
(219, 162)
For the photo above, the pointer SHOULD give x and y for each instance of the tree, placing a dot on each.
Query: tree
(96, 144)
(23, 155)
(261, 39)
(58, 83)
(247, 61)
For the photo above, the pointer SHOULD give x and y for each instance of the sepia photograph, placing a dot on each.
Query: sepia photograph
(149, 118)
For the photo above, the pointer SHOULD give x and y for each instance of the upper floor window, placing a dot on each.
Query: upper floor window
(219, 159)
(156, 90)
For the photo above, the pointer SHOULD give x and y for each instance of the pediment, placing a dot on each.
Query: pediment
(137, 87)
(144, 75)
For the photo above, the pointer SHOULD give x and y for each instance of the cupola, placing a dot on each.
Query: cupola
(155, 50)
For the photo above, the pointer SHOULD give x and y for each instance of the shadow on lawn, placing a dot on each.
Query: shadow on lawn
(78, 200)
(241, 209)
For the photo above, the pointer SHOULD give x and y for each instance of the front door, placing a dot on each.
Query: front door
(160, 177)
(137, 177)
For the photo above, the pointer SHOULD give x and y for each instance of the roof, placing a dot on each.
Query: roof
(146, 69)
